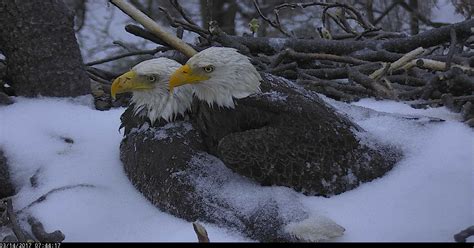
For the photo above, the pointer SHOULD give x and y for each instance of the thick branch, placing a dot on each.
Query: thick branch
(430, 38)
(340, 47)
(153, 27)
(338, 73)
(323, 56)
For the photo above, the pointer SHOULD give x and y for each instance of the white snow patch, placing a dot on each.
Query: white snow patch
(31, 132)
(401, 108)
(428, 196)
(276, 96)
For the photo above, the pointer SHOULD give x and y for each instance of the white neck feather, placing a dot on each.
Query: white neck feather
(160, 104)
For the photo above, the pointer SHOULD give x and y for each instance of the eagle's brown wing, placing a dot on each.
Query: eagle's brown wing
(286, 137)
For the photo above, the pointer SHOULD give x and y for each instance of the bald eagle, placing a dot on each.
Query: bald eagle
(275, 132)
(151, 100)
(168, 163)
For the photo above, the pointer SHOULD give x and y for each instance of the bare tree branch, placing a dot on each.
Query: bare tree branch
(153, 27)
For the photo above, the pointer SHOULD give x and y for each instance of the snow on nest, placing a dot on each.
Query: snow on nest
(428, 196)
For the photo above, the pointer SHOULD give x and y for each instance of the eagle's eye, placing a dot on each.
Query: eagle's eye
(151, 78)
(209, 68)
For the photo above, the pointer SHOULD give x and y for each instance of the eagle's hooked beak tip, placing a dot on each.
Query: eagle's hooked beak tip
(115, 88)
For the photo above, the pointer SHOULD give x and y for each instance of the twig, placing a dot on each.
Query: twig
(15, 226)
(370, 83)
(411, 94)
(180, 9)
(102, 73)
(290, 53)
(275, 24)
(98, 79)
(135, 53)
(397, 64)
(377, 56)
(375, 35)
(201, 233)
(344, 87)
(435, 65)
(140, 32)
(43, 197)
(226, 40)
(179, 32)
(122, 45)
(153, 27)
(359, 18)
(452, 49)
(407, 80)
(419, 16)
(464, 234)
(284, 67)
(334, 93)
(188, 26)
(385, 12)
(337, 73)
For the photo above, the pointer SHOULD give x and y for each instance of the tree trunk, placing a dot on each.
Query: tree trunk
(414, 26)
(43, 57)
(369, 8)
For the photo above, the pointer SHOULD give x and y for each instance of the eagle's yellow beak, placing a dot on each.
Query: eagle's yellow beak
(127, 82)
(185, 75)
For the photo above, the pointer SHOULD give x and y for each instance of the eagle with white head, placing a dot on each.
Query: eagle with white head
(276, 132)
(213, 71)
(148, 81)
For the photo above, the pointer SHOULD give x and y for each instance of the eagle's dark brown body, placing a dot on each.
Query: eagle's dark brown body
(289, 137)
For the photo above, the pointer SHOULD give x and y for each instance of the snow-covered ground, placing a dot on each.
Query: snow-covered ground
(428, 196)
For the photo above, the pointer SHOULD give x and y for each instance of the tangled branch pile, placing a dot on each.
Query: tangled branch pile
(433, 68)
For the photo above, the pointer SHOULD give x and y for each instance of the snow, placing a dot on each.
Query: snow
(428, 196)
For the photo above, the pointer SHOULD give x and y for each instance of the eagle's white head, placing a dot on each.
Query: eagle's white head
(218, 75)
(148, 81)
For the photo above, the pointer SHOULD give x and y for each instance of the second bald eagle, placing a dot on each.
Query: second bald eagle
(273, 131)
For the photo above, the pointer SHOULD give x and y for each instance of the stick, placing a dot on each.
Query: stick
(37, 229)
(43, 197)
(397, 64)
(201, 233)
(435, 65)
(153, 27)
(16, 228)
(464, 234)
(134, 53)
